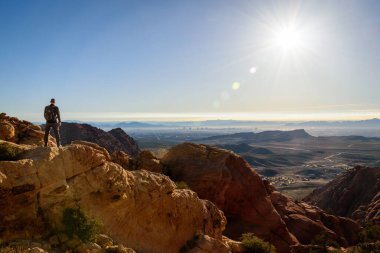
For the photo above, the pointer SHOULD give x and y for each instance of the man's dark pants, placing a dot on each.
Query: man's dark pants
(55, 127)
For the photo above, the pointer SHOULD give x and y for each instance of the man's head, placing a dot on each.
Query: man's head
(52, 101)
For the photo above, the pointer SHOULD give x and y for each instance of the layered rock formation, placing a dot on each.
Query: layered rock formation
(249, 204)
(140, 209)
(114, 140)
(354, 194)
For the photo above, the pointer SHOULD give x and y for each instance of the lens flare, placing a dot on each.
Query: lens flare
(253, 70)
(236, 86)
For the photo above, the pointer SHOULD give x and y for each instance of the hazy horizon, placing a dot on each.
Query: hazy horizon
(191, 60)
(171, 117)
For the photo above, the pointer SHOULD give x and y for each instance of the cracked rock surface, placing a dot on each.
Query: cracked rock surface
(141, 209)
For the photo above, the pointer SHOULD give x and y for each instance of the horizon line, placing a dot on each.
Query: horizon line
(236, 116)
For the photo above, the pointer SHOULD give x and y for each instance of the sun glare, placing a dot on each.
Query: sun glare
(288, 38)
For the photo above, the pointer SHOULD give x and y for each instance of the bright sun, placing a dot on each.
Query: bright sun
(288, 38)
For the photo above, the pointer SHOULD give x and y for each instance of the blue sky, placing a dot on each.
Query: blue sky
(124, 60)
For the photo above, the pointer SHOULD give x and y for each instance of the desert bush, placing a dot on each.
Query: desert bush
(370, 233)
(182, 185)
(253, 244)
(14, 249)
(190, 244)
(7, 250)
(8, 153)
(368, 247)
(322, 241)
(77, 223)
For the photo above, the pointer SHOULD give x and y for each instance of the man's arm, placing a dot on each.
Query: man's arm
(58, 115)
(45, 113)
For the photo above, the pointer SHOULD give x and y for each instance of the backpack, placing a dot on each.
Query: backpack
(51, 114)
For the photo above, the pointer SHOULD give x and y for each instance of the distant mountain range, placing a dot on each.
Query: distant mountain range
(360, 123)
(266, 136)
(230, 123)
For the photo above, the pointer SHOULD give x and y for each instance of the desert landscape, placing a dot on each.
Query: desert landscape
(214, 126)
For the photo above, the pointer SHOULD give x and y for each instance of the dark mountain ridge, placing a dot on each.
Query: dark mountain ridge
(249, 137)
(114, 140)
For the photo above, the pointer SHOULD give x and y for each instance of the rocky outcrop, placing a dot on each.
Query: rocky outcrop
(145, 160)
(228, 181)
(354, 194)
(140, 209)
(305, 221)
(114, 140)
(250, 204)
(21, 131)
(128, 142)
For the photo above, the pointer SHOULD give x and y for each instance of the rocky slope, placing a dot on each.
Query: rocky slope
(354, 194)
(140, 209)
(114, 140)
(250, 204)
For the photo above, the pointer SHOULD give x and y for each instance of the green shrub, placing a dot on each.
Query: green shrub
(370, 233)
(77, 223)
(190, 244)
(182, 185)
(8, 153)
(253, 244)
(323, 241)
(371, 247)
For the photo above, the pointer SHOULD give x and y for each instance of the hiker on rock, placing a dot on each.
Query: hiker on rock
(53, 120)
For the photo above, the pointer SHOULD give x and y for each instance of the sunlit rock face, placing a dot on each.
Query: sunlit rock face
(144, 210)
(141, 209)
(250, 204)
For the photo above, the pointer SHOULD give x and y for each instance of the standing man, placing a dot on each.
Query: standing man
(53, 120)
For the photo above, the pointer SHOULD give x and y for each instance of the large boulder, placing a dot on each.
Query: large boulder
(249, 203)
(228, 181)
(140, 209)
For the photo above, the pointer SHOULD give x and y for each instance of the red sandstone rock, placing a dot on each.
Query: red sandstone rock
(250, 204)
(354, 194)
(228, 181)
